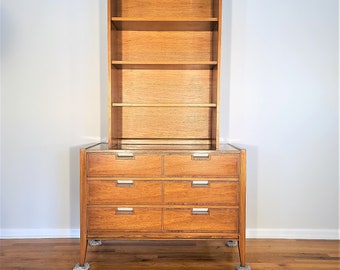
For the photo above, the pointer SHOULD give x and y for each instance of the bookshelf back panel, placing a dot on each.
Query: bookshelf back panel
(163, 86)
(162, 122)
(164, 8)
(158, 46)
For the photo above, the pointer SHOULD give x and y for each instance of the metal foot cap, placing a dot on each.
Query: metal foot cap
(246, 267)
(86, 266)
(95, 243)
(231, 243)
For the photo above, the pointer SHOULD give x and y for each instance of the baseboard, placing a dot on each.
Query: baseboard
(294, 234)
(38, 233)
(251, 233)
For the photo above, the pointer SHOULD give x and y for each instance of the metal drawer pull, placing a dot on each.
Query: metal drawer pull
(124, 210)
(200, 156)
(124, 183)
(200, 211)
(200, 183)
(125, 155)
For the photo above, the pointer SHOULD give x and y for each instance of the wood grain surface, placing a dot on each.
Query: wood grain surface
(261, 254)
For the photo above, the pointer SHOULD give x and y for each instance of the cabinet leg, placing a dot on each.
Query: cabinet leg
(83, 249)
(242, 254)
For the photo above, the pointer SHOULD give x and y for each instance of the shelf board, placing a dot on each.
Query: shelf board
(164, 24)
(204, 105)
(164, 64)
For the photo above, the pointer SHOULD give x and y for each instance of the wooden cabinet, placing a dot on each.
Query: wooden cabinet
(163, 173)
(188, 194)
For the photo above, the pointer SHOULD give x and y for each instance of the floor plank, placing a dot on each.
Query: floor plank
(261, 254)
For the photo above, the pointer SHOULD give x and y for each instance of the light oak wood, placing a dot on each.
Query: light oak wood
(164, 24)
(185, 219)
(165, 122)
(118, 219)
(113, 192)
(163, 71)
(214, 192)
(192, 84)
(173, 8)
(104, 164)
(162, 194)
(44, 254)
(213, 165)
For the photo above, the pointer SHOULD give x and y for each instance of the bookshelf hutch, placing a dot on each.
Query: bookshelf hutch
(163, 173)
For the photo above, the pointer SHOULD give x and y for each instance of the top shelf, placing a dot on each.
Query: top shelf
(165, 8)
(164, 24)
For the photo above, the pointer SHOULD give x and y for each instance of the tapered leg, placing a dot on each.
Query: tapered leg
(82, 265)
(83, 250)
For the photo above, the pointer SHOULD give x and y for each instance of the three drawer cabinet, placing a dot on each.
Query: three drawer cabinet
(154, 194)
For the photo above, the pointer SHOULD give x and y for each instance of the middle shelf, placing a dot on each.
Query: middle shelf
(212, 105)
(164, 24)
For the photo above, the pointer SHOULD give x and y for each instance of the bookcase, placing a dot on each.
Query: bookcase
(163, 175)
(164, 59)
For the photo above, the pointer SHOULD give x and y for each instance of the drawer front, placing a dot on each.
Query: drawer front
(201, 220)
(124, 192)
(201, 192)
(211, 165)
(128, 219)
(129, 165)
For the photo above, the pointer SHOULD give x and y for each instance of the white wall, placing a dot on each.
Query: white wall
(284, 109)
(280, 100)
(53, 65)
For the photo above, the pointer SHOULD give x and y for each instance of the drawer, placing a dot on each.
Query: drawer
(201, 220)
(129, 219)
(124, 192)
(209, 165)
(201, 192)
(127, 164)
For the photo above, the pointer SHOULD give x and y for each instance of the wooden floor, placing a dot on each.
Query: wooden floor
(261, 254)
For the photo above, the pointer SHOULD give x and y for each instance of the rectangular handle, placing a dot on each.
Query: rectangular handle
(200, 211)
(125, 210)
(125, 155)
(125, 183)
(200, 183)
(200, 156)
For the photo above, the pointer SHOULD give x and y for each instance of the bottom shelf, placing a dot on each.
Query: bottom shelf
(162, 144)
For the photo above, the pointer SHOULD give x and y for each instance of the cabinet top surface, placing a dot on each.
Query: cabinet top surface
(104, 147)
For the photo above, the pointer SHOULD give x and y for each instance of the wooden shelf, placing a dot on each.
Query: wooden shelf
(209, 105)
(164, 24)
(164, 64)
(164, 19)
